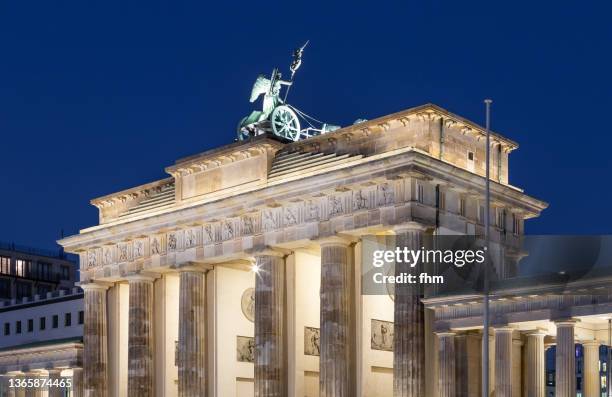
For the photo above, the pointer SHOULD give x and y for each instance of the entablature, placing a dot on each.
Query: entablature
(371, 192)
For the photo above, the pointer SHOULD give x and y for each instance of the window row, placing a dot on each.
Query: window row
(39, 270)
(42, 323)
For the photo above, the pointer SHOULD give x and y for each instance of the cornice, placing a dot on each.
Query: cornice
(427, 112)
(355, 175)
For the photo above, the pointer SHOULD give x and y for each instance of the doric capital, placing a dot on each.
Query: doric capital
(536, 333)
(94, 286)
(499, 329)
(566, 323)
(192, 267)
(591, 343)
(335, 240)
(141, 277)
(409, 227)
(267, 251)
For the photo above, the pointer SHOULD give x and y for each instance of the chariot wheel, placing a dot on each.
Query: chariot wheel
(285, 123)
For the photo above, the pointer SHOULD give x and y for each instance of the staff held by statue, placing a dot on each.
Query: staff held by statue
(295, 65)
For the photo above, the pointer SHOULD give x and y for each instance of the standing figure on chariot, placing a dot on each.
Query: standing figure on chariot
(276, 115)
(271, 89)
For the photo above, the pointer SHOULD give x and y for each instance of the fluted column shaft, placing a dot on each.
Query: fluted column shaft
(37, 390)
(565, 377)
(591, 368)
(95, 341)
(409, 324)
(270, 352)
(55, 391)
(140, 337)
(535, 373)
(446, 366)
(6, 382)
(192, 342)
(20, 391)
(335, 295)
(77, 382)
(503, 362)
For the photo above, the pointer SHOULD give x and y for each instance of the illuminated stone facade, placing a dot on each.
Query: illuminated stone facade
(171, 263)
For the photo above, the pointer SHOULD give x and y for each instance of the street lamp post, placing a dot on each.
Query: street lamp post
(486, 320)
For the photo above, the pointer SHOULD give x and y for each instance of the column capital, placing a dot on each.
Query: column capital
(142, 277)
(409, 227)
(94, 285)
(566, 322)
(334, 240)
(448, 333)
(503, 329)
(267, 251)
(591, 343)
(192, 267)
(536, 333)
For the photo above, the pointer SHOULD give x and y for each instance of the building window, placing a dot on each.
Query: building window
(516, 224)
(44, 271)
(462, 206)
(7, 328)
(42, 290)
(470, 161)
(5, 288)
(420, 193)
(55, 321)
(43, 323)
(23, 268)
(81, 317)
(65, 273)
(23, 290)
(481, 213)
(500, 218)
(68, 320)
(18, 327)
(5, 265)
(442, 200)
(31, 325)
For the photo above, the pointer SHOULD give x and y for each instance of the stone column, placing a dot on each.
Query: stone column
(270, 351)
(446, 358)
(55, 375)
(37, 390)
(461, 365)
(591, 369)
(334, 363)
(503, 362)
(5, 382)
(140, 337)
(192, 332)
(408, 313)
(95, 341)
(536, 372)
(565, 377)
(77, 382)
(19, 392)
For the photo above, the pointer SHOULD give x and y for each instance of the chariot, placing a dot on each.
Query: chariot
(277, 116)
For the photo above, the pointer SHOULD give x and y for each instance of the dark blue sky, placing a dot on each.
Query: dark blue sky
(98, 96)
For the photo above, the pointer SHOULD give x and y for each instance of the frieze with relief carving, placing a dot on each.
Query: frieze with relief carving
(124, 252)
(192, 237)
(139, 248)
(316, 208)
(271, 219)
(157, 245)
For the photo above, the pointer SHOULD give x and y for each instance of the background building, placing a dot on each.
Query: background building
(41, 320)
(27, 271)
